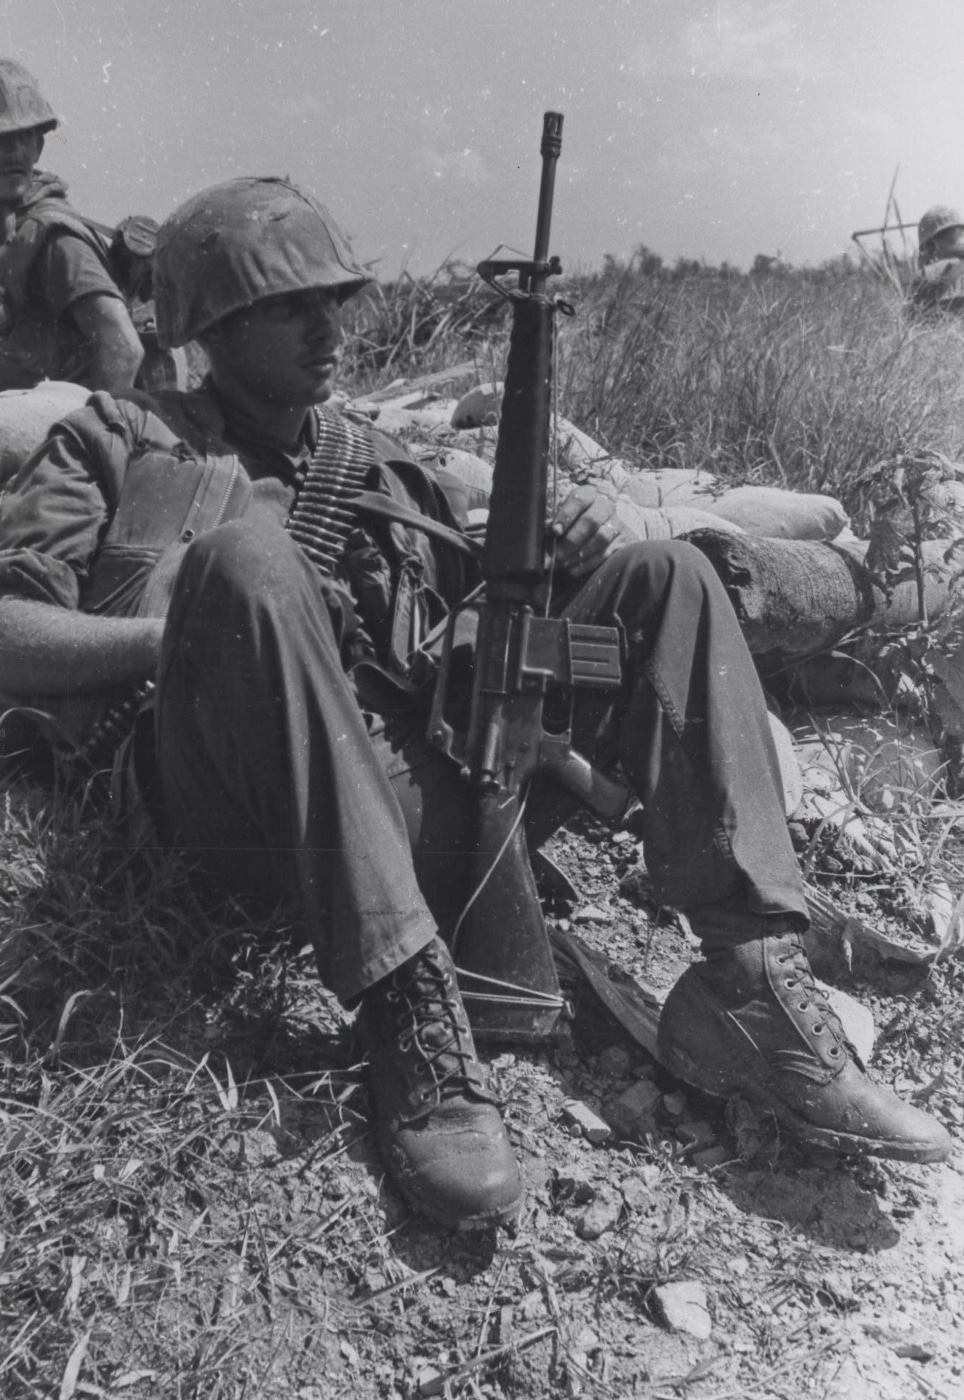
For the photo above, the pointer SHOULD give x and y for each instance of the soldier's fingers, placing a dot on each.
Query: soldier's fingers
(575, 505)
(577, 521)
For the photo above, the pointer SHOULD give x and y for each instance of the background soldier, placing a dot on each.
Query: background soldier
(939, 286)
(62, 315)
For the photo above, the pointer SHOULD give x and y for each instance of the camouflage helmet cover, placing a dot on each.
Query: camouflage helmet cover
(23, 106)
(238, 243)
(935, 221)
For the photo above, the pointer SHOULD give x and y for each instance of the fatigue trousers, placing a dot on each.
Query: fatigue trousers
(270, 775)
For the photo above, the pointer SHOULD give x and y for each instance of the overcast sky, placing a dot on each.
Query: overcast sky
(706, 130)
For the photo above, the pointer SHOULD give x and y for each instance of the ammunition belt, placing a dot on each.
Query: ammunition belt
(323, 517)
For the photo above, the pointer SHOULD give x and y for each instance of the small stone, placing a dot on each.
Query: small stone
(684, 1309)
(636, 1194)
(614, 1062)
(591, 914)
(710, 1158)
(601, 1216)
(580, 1116)
(915, 1351)
(573, 1186)
(587, 1340)
(675, 1106)
(430, 1381)
(649, 1174)
(696, 1133)
(635, 1108)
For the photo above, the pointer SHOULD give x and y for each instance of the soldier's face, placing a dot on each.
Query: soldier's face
(19, 153)
(949, 243)
(285, 351)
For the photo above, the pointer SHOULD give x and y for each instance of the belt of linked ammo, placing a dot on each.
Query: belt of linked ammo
(322, 516)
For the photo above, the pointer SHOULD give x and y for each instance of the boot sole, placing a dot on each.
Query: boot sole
(684, 1068)
(463, 1224)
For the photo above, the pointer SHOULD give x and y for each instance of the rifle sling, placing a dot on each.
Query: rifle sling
(374, 503)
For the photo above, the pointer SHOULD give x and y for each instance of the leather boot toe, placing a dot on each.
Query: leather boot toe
(751, 1020)
(438, 1125)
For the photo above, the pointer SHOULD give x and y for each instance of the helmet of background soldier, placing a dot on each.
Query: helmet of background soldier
(23, 106)
(238, 243)
(936, 221)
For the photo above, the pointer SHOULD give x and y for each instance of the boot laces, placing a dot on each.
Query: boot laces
(430, 1027)
(811, 996)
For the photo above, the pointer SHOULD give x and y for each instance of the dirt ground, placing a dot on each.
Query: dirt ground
(191, 1207)
(694, 1254)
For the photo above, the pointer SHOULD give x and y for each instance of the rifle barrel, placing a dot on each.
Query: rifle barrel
(550, 151)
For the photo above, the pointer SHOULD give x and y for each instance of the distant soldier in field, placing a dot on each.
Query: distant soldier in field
(63, 314)
(939, 286)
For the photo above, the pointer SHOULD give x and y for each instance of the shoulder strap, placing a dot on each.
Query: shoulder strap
(374, 503)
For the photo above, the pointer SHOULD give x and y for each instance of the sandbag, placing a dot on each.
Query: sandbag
(767, 511)
(676, 486)
(674, 522)
(778, 514)
(794, 598)
(26, 417)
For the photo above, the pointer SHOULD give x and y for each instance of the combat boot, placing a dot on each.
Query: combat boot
(751, 1020)
(437, 1123)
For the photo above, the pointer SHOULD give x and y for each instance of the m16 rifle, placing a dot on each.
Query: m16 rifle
(522, 655)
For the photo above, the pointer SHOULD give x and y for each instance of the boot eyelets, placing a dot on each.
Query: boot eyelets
(818, 1028)
(835, 1052)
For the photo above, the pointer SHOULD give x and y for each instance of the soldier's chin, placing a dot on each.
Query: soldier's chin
(324, 385)
(13, 187)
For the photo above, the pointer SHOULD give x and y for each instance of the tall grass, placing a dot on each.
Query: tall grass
(786, 378)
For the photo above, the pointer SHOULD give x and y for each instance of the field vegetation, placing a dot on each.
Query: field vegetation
(190, 1204)
(803, 378)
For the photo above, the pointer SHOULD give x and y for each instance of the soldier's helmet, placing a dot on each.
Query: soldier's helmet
(936, 221)
(238, 243)
(23, 106)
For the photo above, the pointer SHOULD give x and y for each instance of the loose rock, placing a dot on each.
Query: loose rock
(614, 1061)
(697, 1133)
(711, 1158)
(581, 1116)
(635, 1108)
(684, 1309)
(636, 1195)
(675, 1106)
(573, 1185)
(601, 1216)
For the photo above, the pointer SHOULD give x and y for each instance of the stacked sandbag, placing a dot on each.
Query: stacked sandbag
(26, 417)
(795, 598)
(766, 511)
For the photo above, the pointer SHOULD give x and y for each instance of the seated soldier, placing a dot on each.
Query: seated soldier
(62, 315)
(163, 539)
(939, 286)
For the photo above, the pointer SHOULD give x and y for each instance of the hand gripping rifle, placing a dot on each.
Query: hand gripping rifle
(501, 948)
